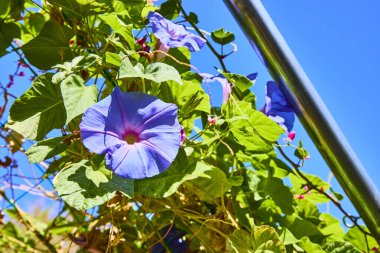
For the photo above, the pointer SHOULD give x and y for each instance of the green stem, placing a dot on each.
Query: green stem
(22, 59)
(143, 85)
(108, 77)
(220, 57)
(213, 50)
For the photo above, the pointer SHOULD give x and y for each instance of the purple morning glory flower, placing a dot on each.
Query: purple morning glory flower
(226, 87)
(173, 35)
(277, 107)
(139, 133)
(173, 241)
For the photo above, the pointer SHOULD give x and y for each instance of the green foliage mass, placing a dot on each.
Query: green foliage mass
(227, 190)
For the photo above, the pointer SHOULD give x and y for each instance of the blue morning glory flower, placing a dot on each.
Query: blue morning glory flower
(173, 241)
(277, 107)
(138, 133)
(226, 87)
(173, 35)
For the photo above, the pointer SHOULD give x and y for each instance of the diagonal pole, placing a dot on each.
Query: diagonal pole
(310, 109)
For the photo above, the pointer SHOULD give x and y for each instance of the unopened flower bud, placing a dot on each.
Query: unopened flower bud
(292, 135)
(212, 120)
(183, 136)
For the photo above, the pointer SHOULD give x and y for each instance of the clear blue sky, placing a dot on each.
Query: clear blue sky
(336, 42)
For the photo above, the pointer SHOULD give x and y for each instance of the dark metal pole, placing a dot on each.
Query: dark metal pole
(312, 112)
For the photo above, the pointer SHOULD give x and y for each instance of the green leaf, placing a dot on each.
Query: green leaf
(167, 183)
(11, 8)
(236, 180)
(133, 11)
(222, 37)
(76, 96)
(250, 140)
(268, 162)
(338, 196)
(8, 32)
(83, 187)
(181, 54)
(300, 152)
(239, 242)
(287, 237)
(169, 9)
(158, 72)
(35, 22)
(46, 149)
(119, 27)
(50, 47)
(301, 227)
(242, 83)
(78, 63)
(331, 227)
(261, 124)
(264, 126)
(193, 18)
(257, 132)
(39, 110)
(309, 211)
(310, 247)
(340, 247)
(189, 97)
(265, 239)
(314, 195)
(358, 239)
(241, 211)
(113, 59)
(279, 193)
(161, 72)
(79, 8)
(212, 186)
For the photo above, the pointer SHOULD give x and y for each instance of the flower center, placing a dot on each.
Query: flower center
(131, 138)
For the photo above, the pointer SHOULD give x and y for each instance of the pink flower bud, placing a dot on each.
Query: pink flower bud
(375, 249)
(141, 41)
(183, 136)
(292, 135)
(212, 120)
(21, 74)
(306, 188)
(301, 196)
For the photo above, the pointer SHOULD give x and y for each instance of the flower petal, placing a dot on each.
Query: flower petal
(136, 161)
(129, 111)
(226, 87)
(173, 35)
(277, 107)
(93, 131)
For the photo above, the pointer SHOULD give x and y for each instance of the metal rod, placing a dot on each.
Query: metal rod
(310, 109)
